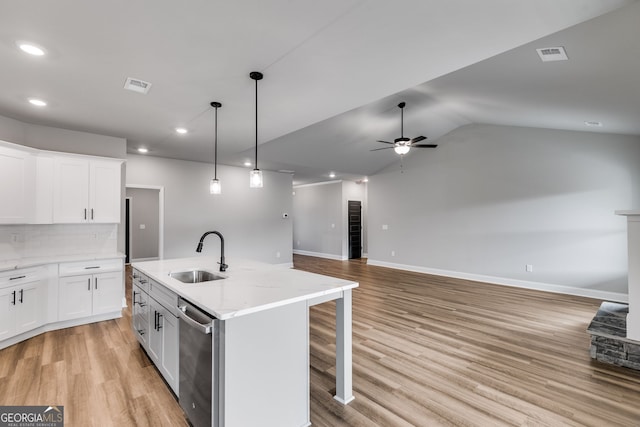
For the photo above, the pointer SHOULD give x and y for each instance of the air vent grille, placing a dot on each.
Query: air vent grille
(137, 85)
(552, 54)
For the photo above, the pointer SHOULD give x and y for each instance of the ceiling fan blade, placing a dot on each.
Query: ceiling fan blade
(386, 142)
(418, 139)
(383, 148)
(424, 145)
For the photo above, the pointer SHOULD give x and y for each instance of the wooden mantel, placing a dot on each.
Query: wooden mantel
(633, 245)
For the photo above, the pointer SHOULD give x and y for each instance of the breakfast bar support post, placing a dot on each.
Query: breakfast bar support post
(344, 392)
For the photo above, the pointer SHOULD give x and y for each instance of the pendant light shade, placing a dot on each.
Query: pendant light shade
(214, 186)
(255, 176)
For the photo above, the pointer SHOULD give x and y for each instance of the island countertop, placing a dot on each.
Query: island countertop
(248, 287)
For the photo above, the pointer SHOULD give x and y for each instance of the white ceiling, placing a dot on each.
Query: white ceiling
(334, 72)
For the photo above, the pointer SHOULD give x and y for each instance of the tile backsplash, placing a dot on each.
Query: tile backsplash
(27, 241)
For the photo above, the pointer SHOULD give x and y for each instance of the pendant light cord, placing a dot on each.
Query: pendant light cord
(256, 165)
(215, 149)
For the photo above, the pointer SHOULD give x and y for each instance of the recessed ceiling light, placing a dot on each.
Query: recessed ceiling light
(31, 49)
(593, 124)
(247, 163)
(181, 131)
(365, 179)
(143, 150)
(332, 175)
(37, 102)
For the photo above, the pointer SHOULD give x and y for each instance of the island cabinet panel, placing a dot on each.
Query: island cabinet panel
(140, 315)
(265, 360)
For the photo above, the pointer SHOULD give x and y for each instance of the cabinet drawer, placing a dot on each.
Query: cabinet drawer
(90, 267)
(140, 280)
(21, 276)
(164, 296)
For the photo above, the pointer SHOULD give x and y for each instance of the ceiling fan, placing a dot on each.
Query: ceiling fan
(403, 144)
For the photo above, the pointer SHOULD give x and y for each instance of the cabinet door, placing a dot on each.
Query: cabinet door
(104, 191)
(75, 296)
(170, 353)
(29, 312)
(70, 190)
(17, 178)
(7, 312)
(155, 333)
(107, 292)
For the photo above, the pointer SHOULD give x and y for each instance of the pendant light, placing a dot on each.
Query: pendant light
(214, 185)
(255, 176)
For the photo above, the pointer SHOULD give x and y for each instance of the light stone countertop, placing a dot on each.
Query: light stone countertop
(26, 262)
(249, 287)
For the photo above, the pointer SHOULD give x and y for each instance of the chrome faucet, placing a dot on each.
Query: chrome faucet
(223, 266)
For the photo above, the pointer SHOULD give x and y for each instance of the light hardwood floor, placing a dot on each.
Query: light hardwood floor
(427, 351)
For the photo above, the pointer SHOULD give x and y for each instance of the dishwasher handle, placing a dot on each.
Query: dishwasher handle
(204, 328)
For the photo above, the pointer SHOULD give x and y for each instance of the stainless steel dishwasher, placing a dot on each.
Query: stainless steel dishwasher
(198, 370)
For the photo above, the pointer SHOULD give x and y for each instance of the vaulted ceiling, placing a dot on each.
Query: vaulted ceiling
(334, 72)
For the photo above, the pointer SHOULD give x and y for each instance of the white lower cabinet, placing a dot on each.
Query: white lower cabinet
(158, 332)
(84, 295)
(21, 302)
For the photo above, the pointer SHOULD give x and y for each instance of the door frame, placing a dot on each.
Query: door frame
(160, 214)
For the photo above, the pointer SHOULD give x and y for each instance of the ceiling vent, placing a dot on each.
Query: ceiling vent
(552, 54)
(137, 85)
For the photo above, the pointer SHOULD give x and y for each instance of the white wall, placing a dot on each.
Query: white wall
(491, 199)
(250, 219)
(317, 220)
(320, 218)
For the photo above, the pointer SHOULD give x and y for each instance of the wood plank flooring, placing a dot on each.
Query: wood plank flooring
(427, 351)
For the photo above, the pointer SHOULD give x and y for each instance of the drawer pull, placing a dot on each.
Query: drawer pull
(91, 268)
(17, 277)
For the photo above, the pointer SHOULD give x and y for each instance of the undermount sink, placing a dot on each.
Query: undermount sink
(195, 276)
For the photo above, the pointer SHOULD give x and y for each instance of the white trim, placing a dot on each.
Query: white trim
(320, 255)
(336, 181)
(547, 287)
(130, 220)
(160, 213)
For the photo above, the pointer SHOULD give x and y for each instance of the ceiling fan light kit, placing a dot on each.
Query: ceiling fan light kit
(403, 144)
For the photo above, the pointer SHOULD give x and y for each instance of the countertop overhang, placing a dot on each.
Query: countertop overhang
(248, 287)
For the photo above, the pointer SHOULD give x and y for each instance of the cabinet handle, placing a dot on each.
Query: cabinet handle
(89, 284)
(91, 268)
(14, 297)
(85, 213)
(141, 331)
(96, 279)
(159, 321)
(155, 322)
(17, 277)
(134, 298)
(21, 295)
(92, 214)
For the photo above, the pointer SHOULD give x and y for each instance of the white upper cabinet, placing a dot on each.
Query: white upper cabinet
(17, 185)
(86, 190)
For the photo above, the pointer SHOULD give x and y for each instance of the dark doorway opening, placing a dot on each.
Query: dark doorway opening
(355, 229)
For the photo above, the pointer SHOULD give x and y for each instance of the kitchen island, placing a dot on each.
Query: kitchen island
(261, 345)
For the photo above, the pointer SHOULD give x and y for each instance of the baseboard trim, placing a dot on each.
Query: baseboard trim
(539, 286)
(320, 255)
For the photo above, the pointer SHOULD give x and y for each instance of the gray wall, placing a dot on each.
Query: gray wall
(491, 199)
(317, 219)
(250, 219)
(144, 211)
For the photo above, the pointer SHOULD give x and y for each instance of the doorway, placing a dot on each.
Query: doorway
(355, 229)
(144, 223)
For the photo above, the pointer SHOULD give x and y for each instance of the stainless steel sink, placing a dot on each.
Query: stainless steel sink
(195, 276)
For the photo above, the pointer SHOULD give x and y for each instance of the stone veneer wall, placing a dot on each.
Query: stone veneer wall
(609, 342)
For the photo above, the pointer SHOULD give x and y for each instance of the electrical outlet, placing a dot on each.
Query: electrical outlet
(385, 227)
(278, 254)
(393, 253)
(529, 268)
(15, 237)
